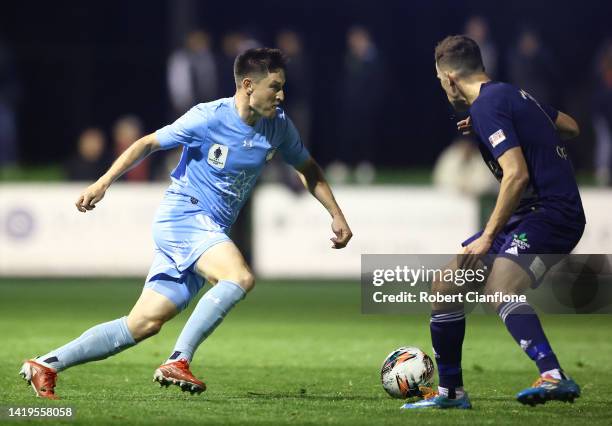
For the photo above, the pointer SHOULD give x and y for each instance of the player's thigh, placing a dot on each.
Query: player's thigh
(224, 261)
(149, 313)
(453, 288)
(507, 277)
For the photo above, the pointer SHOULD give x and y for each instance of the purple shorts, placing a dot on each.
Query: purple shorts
(535, 241)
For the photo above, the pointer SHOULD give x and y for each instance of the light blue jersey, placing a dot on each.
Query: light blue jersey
(223, 156)
(221, 161)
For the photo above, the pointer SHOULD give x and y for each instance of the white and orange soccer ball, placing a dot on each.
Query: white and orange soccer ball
(407, 372)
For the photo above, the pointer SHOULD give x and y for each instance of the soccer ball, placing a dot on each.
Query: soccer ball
(405, 371)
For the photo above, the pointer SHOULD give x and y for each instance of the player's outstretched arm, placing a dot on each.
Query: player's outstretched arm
(567, 127)
(314, 180)
(128, 159)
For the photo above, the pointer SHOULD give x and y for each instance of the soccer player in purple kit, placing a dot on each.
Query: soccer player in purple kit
(538, 211)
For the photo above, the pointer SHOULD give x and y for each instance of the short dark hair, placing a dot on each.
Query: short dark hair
(460, 53)
(258, 61)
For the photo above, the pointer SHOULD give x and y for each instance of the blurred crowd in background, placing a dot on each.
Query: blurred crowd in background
(200, 70)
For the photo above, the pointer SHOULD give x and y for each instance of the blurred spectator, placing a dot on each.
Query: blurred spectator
(192, 73)
(460, 168)
(298, 87)
(90, 161)
(231, 46)
(9, 95)
(477, 29)
(359, 108)
(167, 163)
(297, 105)
(531, 67)
(126, 131)
(602, 115)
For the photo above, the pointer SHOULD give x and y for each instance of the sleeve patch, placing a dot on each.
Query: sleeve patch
(497, 138)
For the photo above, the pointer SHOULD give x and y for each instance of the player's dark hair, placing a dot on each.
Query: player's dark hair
(459, 53)
(258, 61)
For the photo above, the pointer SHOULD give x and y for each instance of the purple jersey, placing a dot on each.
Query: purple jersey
(503, 117)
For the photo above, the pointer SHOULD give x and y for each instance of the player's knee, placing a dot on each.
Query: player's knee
(246, 280)
(446, 297)
(146, 327)
(152, 327)
(494, 288)
(492, 291)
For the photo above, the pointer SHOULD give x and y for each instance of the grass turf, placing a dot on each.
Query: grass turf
(291, 353)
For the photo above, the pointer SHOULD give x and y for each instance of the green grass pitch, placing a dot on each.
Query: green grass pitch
(291, 353)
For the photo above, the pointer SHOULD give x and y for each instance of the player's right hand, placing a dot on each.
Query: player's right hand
(465, 126)
(343, 232)
(88, 198)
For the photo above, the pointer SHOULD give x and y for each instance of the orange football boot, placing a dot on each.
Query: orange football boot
(41, 378)
(177, 373)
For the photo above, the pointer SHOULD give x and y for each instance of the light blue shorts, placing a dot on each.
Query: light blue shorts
(182, 233)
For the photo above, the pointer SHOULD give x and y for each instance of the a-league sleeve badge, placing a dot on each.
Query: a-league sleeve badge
(497, 138)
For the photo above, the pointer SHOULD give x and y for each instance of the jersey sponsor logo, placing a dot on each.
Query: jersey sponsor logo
(520, 241)
(497, 138)
(270, 154)
(217, 155)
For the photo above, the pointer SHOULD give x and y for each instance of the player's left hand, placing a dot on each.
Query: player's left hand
(343, 232)
(474, 251)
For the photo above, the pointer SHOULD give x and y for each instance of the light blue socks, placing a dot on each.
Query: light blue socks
(104, 340)
(207, 315)
(99, 342)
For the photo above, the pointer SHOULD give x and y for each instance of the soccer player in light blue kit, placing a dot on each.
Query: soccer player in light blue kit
(226, 143)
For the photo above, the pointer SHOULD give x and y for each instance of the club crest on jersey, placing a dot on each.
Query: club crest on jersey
(270, 154)
(217, 155)
(497, 138)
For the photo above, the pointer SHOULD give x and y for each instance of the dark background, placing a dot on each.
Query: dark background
(86, 63)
